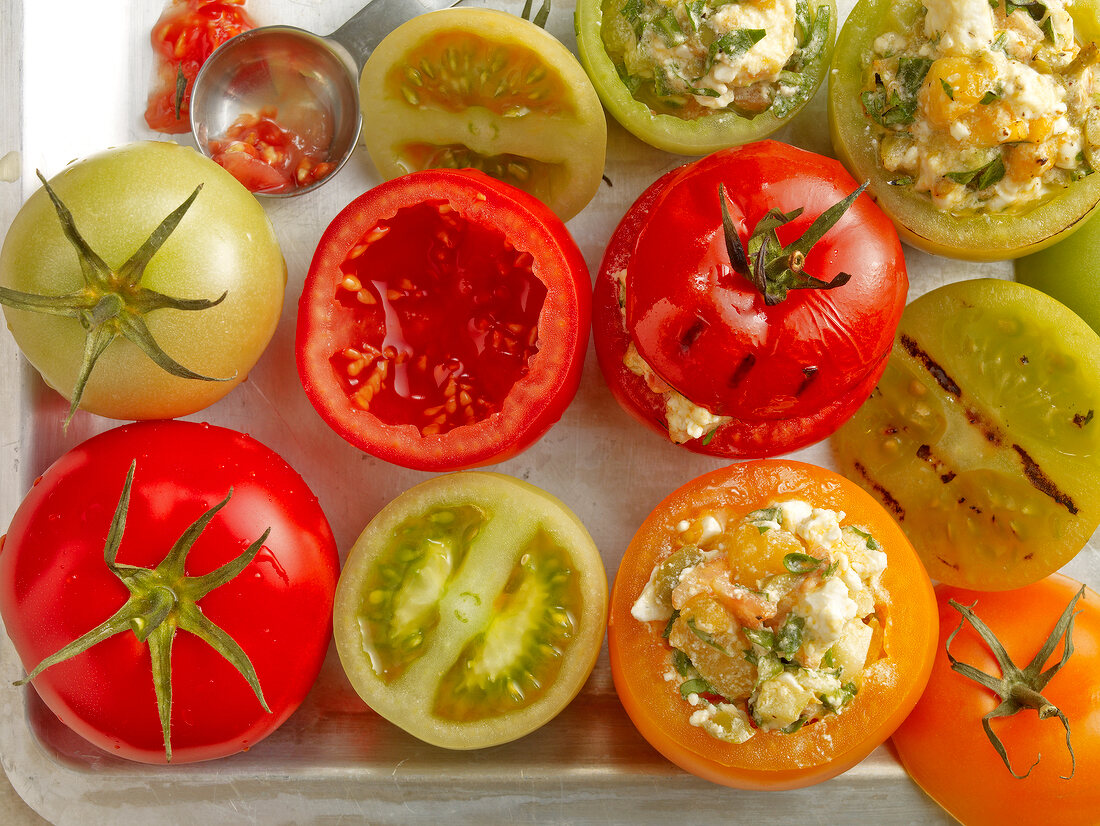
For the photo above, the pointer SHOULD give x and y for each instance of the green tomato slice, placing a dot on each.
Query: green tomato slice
(483, 89)
(471, 610)
(674, 122)
(982, 437)
(973, 236)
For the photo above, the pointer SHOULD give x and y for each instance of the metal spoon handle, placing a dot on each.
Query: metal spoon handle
(365, 30)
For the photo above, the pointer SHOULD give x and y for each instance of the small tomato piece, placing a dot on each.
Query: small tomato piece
(471, 610)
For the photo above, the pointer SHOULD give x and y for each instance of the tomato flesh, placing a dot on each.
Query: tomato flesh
(444, 318)
(183, 38)
(471, 610)
(267, 157)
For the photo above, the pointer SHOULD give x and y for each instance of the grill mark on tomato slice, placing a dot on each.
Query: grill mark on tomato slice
(742, 370)
(887, 498)
(1043, 483)
(938, 373)
(924, 453)
(691, 334)
(809, 374)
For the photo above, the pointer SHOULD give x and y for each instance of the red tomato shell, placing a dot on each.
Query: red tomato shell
(444, 321)
(55, 586)
(787, 374)
(944, 732)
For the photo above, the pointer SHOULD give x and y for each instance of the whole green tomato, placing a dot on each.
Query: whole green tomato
(143, 282)
(1068, 272)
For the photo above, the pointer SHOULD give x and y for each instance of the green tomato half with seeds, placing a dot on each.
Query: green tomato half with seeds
(142, 283)
(471, 610)
(484, 89)
(983, 435)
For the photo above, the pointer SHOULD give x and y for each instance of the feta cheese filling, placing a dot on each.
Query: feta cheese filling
(771, 618)
(691, 57)
(984, 106)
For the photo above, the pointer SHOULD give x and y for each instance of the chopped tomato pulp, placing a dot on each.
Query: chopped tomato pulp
(443, 315)
(267, 157)
(186, 34)
(444, 321)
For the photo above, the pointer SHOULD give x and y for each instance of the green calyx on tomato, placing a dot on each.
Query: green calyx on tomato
(776, 268)
(982, 436)
(113, 303)
(621, 47)
(161, 600)
(471, 610)
(484, 89)
(1019, 688)
(864, 117)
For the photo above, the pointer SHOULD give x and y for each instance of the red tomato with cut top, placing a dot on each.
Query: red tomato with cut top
(60, 579)
(444, 321)
(186, 34)
(749, 291)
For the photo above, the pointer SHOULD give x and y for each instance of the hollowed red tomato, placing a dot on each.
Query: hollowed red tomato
(751, 676)
(444, 321)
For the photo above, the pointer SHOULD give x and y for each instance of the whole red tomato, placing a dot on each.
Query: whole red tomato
(753, 298)
(945, 731)
(444, 321)
(66, 555)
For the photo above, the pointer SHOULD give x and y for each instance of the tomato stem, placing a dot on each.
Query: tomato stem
(1019, 688)
(776, 269)
(161, 600)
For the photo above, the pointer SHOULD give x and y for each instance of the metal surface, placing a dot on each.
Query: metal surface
(335, 759)
(310, 80)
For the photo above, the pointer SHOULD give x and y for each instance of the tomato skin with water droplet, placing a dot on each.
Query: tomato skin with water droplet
(55, 586)
(444, 321)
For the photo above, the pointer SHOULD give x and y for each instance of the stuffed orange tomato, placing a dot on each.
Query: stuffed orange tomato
(770, 626)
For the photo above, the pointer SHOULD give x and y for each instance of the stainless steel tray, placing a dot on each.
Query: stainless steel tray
(75, 76)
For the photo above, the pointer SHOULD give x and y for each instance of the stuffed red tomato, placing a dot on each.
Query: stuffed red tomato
(744, 311)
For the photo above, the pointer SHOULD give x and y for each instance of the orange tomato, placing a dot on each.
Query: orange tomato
(823, 748)
(944, 733)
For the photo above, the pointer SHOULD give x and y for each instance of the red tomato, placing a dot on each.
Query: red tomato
(187, 32)
(782, 374)
(267, 157)
(444, 321)
(944, 733)
(55, 586)
(643, 662)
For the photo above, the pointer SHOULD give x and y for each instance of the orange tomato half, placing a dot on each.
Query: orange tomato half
(820, 749)
(944, 733)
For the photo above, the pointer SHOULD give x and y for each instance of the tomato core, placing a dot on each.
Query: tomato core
(441, 317)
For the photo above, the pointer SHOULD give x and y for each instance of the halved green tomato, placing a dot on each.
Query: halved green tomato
(607, 32)
(975, 236)
(471, 610)
(983, 438)
(484, 89)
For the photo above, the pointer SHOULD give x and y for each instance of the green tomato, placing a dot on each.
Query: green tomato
(983, 236)
(223, 243)
(484, 89)
(1068, 272)
(471, 610)
(675, 122)
(983, 435)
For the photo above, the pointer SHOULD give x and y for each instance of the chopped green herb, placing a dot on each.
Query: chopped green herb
(668, 625)
(947, 90)
(734, 44)
(990, 97)
(872, 543)
(795, 726)
(906, 180)
(706, 636)
(789, 638)
(801, 563)
(696, 686)
(761, 636)
(710, 436)
(768, 668)
(632, 12)
(681, 662)
(981, 178)
(899, 105)
(999, 41)
(767, 515)
(829, 660)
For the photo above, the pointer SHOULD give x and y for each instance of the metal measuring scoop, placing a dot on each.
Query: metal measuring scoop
(312, 81)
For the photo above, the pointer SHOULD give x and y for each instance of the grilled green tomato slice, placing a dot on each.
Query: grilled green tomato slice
(982, 437)
(471, 610)
(484, 89)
